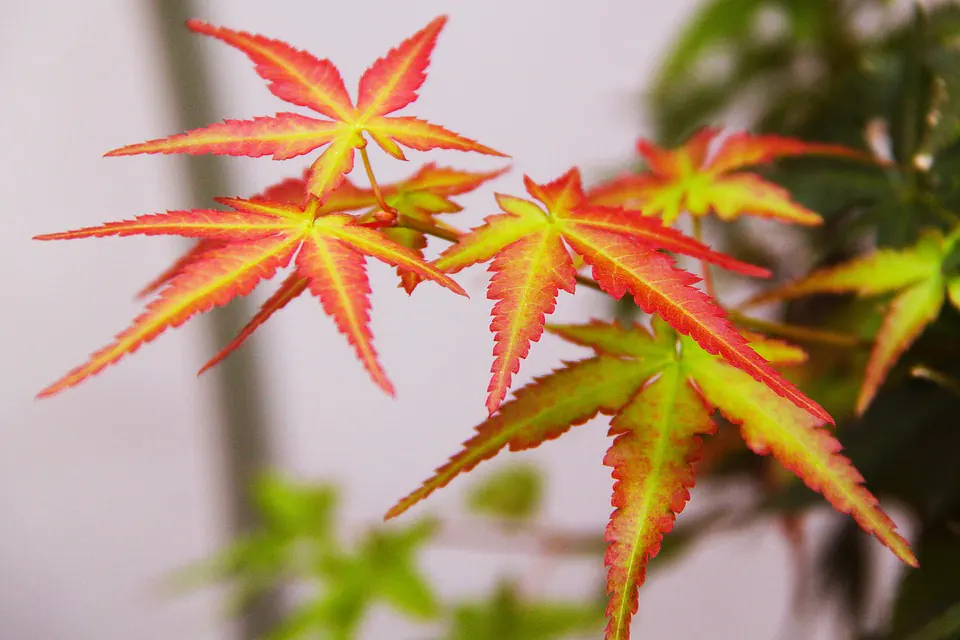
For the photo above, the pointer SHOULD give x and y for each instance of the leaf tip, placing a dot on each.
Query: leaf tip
(199, 26)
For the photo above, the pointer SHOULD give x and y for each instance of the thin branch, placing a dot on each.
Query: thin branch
(800, 334)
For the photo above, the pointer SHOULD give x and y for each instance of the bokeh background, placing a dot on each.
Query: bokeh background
(108, 487)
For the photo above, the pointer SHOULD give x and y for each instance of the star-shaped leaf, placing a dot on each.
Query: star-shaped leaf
(661, 391)
(249, 244)
(296, 76)
(919, 277)
(689, 179)
(417, 199)
(530, 244)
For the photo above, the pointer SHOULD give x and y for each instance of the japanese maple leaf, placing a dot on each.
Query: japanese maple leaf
(661, 391)
(346, 197)
(253, 241)
(418, 198)
(918, 277)
(296, 76)
(528, 244)
(686, 179)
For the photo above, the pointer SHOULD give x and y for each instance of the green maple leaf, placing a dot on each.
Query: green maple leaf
(513, 494)
(296, 541)
(661, 390)
(920, 276)
(507, 616)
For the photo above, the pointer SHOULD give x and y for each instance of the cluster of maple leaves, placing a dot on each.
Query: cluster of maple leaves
(661, 388)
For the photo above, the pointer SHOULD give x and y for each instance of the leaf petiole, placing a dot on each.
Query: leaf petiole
(390, 212)
(704, 267)
(800, 334)
(450, 236)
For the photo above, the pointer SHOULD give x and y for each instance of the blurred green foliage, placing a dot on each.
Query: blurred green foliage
(297, 545)
(337, 585)
(514, 493)
(506, 615)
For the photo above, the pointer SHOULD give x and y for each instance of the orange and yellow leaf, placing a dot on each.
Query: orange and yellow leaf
(688, 179)
(293, 286)
(487, 240)
(198, 223)
(541, 411)
(651, 232)
(798, 441)
(377, 245)
(913, 309)
(195, 253)
(296, 76)
(331, 263)
(625, 257)
(527, 277)
(284, 136)
(423, 136)
(742, 149)
(914, 272)
(661, 391)
(392, 82)
(445, 181)
(336, 274)
(882, 271)
(656, 443)
(328, 171)
(620, 265)
(223, 274)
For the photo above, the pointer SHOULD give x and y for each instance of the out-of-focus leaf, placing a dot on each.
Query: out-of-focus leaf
(945, 627)
(506, 616)
(715, 23)
(296, 543)
(295, 509)
(513, 493)
(390, 556)
(931, 593)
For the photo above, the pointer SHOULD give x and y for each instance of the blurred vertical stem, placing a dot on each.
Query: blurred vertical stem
(243, 428)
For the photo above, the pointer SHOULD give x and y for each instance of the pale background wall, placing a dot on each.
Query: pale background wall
(109, 486)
